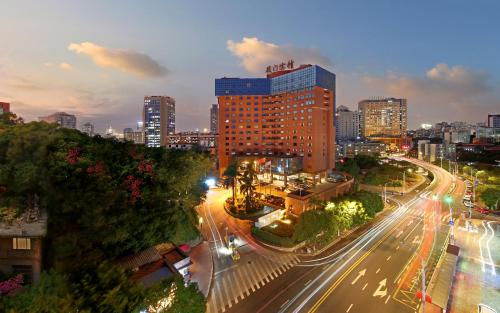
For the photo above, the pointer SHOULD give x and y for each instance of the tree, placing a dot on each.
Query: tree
(490, 196)
(182, 299)
(230, 174)
(313, 223)
(104, 199)
(247, 185)
(50, 295)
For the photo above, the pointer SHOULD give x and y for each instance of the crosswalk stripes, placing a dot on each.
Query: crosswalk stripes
(232, 286)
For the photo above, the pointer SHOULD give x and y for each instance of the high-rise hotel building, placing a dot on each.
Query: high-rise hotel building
(158, 119)
(286, 119)
(385, 120)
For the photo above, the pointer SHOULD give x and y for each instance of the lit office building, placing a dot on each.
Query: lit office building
(214, 118)
(385, 120)
(158, 119)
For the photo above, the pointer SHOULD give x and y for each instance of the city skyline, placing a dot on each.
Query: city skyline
(99, 65)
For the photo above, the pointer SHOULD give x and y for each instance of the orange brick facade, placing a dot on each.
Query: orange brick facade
(292, 124)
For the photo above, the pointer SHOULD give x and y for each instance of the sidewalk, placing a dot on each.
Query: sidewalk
(203, 267)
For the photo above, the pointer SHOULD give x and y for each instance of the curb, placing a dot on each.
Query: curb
(211, 271)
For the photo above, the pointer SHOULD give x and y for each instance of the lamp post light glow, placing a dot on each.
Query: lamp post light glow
(449, 200)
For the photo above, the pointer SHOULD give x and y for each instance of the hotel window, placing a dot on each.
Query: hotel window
(21, 243)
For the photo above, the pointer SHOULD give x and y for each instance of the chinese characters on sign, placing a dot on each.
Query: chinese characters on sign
(279, 67)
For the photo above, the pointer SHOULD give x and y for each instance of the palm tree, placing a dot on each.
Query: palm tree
(231, 173)
(247, 186)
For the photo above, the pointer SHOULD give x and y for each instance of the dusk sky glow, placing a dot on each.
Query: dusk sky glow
(97, 59)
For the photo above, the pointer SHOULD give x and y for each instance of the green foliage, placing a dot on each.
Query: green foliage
(312, 223)
(247, 187)
(51, 295)
(490, 196)
(182, 299)
(484, 158)
(104, 199)
(349, 166)
(272, 238)
(371, 202)
(230, 174)
(366, 161)
(109, 289)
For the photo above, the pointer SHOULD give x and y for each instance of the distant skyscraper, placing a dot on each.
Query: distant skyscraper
(214, 118)
(384, 117)
(494, 120)
(62, 118)
(347, 123)
(136, 136)
(87, 128)
(158, 119)
(4, 107)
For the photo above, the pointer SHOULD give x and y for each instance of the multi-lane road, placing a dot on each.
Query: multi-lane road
(378, 270)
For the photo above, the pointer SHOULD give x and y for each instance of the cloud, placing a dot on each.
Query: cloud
(256, 54)
(21, 83)
(127, 61)
(48, 64)
(444, 92)
(66, 66)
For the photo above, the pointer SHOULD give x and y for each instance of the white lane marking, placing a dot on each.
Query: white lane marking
(378, 270)
(308, 282)
(399, 234)
(365, 241)
(247, 275)
(364, 286)
(397, 248)
(416, 239)
(387, 300)
(245, 284)
(220, 296)
(226, 289)
(237, 287)
(263, 270)
(388, 258)
(349, 308)
(360, 274)
(381, 290)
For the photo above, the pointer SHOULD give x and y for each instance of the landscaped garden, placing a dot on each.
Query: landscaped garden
(323, 224)
(377, 172)
(245, 202)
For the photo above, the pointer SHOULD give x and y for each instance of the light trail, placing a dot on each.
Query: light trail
(375, 231)
(437, 176)
(366, 240)
(480, 247)
(493, 270)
